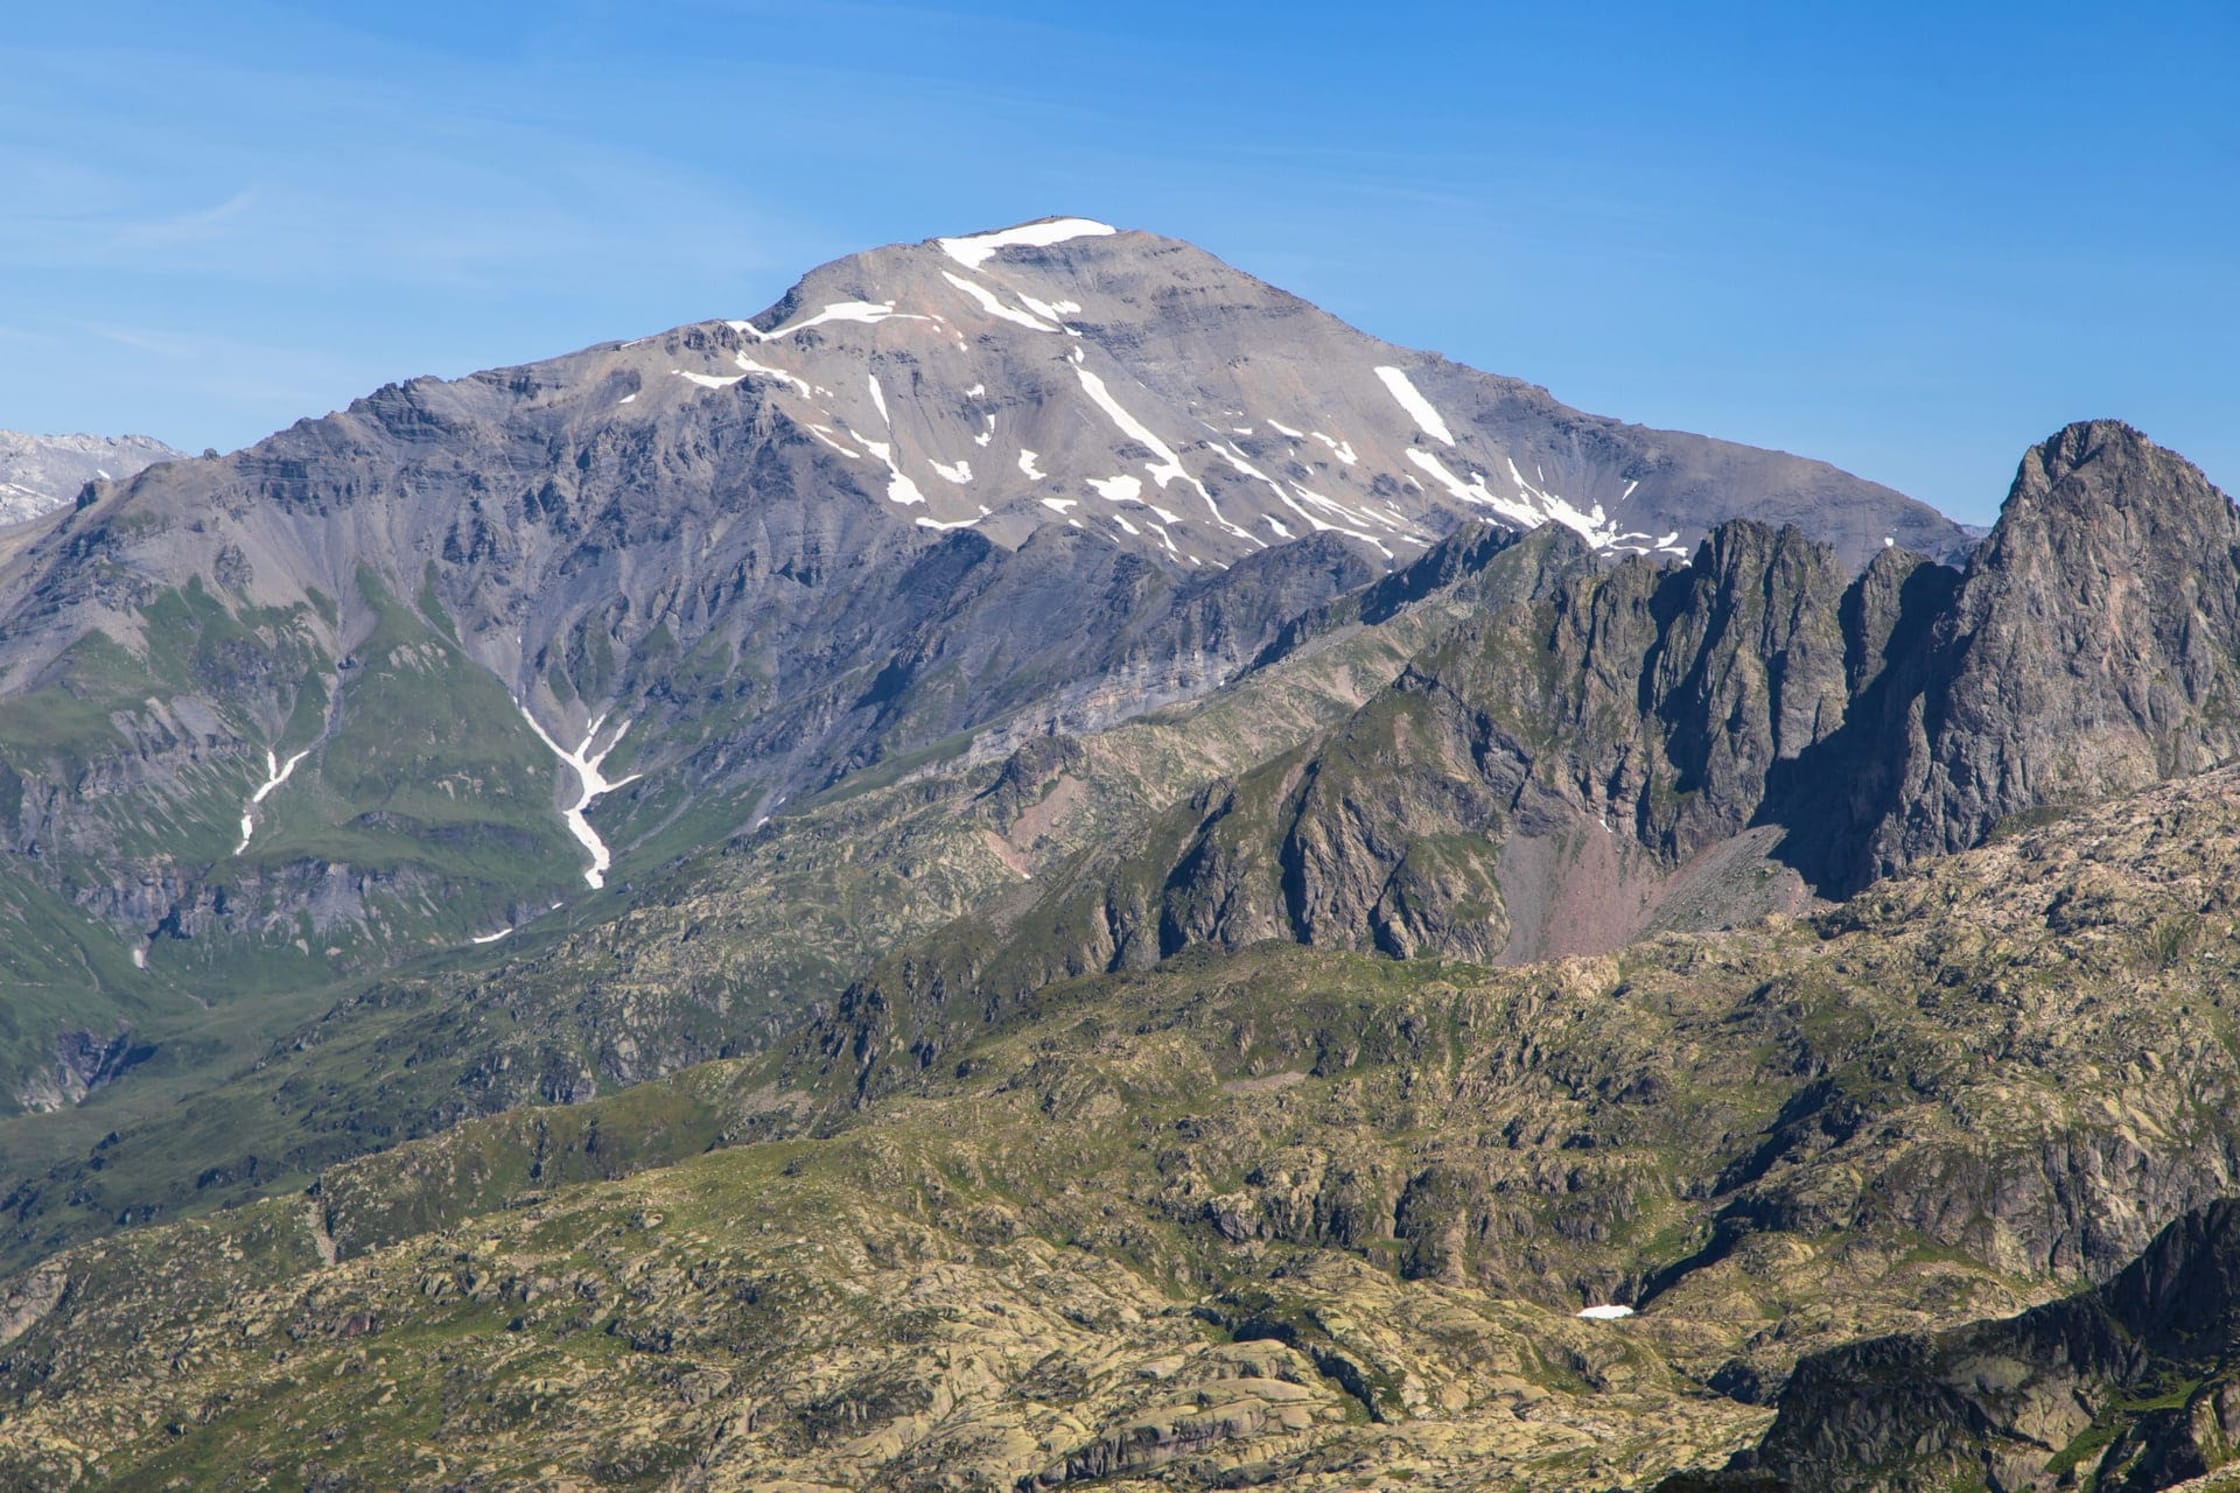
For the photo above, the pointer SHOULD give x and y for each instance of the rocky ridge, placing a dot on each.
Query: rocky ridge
(1625, 747)
(40, 473)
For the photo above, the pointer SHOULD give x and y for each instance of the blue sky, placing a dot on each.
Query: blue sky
(1907, 238)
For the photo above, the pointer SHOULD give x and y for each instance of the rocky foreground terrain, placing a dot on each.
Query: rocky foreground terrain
(1286, 1214)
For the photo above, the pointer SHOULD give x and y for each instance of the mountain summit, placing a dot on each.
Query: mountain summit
(1142, 388)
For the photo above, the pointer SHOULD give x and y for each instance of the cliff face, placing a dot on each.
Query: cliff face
(2093, 647)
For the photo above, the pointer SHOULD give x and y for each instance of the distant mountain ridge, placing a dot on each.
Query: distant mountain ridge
(40, 473)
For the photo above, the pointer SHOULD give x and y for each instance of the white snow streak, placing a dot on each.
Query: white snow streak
(1520, 514)
(594, 786)
(900, 489)
(1236, 458)
(1060, 505)
(960, 474)
(994, 307)
(1534, 508)
(869, 313)
(974, 250)
(1027, 466)
(708, 380)
(1606, 1313)
(749, 365)
(491, 937)
(955, 523)
(1411, 400)
(276, 772)
(1169, 466)
(825, 433)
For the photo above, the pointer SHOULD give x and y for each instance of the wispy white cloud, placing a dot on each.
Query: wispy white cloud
(206, 225)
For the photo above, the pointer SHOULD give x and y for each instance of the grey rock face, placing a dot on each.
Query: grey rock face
(2094, 645)
(40, 473)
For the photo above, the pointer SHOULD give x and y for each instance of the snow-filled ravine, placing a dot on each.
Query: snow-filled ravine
(276, 772)
(594, 786)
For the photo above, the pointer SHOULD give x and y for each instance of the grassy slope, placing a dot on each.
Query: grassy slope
(718, 954)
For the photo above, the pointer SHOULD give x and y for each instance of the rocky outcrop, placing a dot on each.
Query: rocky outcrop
(2093, 646)
(83, 1062)
(2130, 1387)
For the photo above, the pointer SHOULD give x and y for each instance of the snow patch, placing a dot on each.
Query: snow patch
(1168, 467)
(276, 772)
(960, 474)
(593, 784)
(492, 937)
(1606, 1313)
(994, 307)
(749, 365)
(900, 489)
(1027, 466)
(1121, 489)
(1287, 430)
(1343, 450)
(974, 250)
(1060, 505)
(955, 523)
(1412, 400)
(708, 380)
(825, 433)
(868, 313)
(1520, 514)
